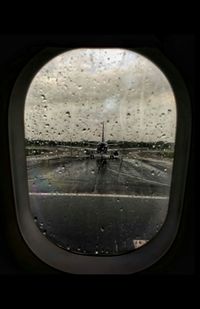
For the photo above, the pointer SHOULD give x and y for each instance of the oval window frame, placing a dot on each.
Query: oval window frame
(61, 259)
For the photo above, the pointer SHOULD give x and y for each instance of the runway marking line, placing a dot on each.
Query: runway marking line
(99, 195)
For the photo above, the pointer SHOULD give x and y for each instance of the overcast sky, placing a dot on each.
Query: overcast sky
(73, 93)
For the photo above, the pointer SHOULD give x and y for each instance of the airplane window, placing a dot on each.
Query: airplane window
(100, 128)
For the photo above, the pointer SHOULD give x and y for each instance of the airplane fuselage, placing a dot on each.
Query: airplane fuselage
(102, 148)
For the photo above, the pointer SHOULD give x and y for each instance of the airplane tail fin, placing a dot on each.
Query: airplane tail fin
(103, 139)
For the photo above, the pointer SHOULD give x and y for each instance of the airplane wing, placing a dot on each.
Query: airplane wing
(89, 149)
(113, 144)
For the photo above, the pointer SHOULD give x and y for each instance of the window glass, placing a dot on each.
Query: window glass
(100, 129)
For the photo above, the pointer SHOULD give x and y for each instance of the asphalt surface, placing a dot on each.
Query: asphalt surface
(88, 207)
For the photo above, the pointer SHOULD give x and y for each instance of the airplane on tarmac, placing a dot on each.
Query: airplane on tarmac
(102, 149)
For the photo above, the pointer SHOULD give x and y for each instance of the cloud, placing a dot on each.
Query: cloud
(77, 90)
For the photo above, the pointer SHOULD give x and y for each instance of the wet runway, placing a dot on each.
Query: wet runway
(127, 176)
(95, 209)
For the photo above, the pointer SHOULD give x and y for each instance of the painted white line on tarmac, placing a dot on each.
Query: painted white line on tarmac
(99, 195)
